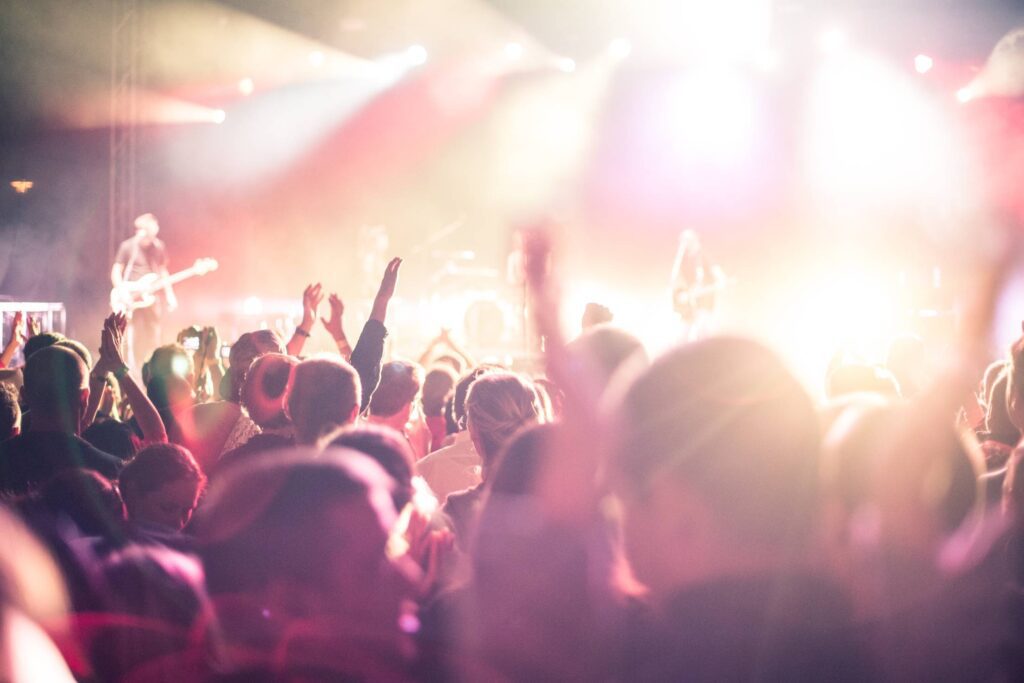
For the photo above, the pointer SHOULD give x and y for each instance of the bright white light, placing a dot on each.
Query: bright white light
(219, 116)
(767, 60)
(851, 307)
(832, 41)
(252, 305)
(567, 64)
(317, 59)
(965, 94)
(619, 48)
(875, 138)
(246, 86)
(709, 116)
(701, 31)
(416, 55)
(513, 51)
(923, 64)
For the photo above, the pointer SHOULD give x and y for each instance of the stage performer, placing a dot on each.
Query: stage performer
(696, 280)
(137, 257)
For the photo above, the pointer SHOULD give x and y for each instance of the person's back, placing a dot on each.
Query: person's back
(56, 394)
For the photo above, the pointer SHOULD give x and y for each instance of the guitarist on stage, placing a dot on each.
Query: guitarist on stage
(696, 279)
(137, 257)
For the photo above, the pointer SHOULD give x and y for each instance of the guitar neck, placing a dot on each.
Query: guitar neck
(175, 278)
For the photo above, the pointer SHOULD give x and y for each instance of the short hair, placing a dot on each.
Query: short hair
(400, 382)
(247, 349)
(10, 411)
(112, 436)
(41, 341)
(391, 451)
(727, 420)
(498, 405)
(324, 394)
(54, 379)
(79, 348)
(438, 386)
(159, 464)
(265, 387)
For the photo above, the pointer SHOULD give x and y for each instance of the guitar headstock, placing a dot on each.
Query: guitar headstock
(203, 266)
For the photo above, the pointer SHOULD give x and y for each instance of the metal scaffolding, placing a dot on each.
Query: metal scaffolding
(124, 83)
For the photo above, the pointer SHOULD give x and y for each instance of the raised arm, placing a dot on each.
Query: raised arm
(112, 361)
(334, 327)
(369, 349)
(585, 434)
(19, 333)
(311, 298)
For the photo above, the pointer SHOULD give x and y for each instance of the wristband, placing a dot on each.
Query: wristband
(301, 332)
(121, 372)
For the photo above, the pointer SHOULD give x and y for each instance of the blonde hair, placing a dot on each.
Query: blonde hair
(498, 405)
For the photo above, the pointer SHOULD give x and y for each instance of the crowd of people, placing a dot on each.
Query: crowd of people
(601, 516)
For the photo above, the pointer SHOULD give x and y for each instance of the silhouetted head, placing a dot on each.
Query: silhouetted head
(438, 387)
(389, 449)
(399, 385)
(304, 537)
(56, 388)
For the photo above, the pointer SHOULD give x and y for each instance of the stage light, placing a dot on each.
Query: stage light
(767, 60)
(513, 51)
(923, 64)
(567, 64)
(708, 116)
(619, 48)
(965, 94)
(416, 55)
(218, 116)
(246, 86)
(252, 305)
(317, 59)
(21, 186)
(832, 41)
(875, 137)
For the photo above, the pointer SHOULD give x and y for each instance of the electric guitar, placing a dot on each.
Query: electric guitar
(135, 294)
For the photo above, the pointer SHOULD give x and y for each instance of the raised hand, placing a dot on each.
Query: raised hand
(209, 345)
(390, 279)
(34, 326)
(19, 330)
(111, 345)
(311, 298)
(333, 323)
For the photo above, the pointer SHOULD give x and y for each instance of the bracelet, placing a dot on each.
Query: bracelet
(121, 372)
(301, 332)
